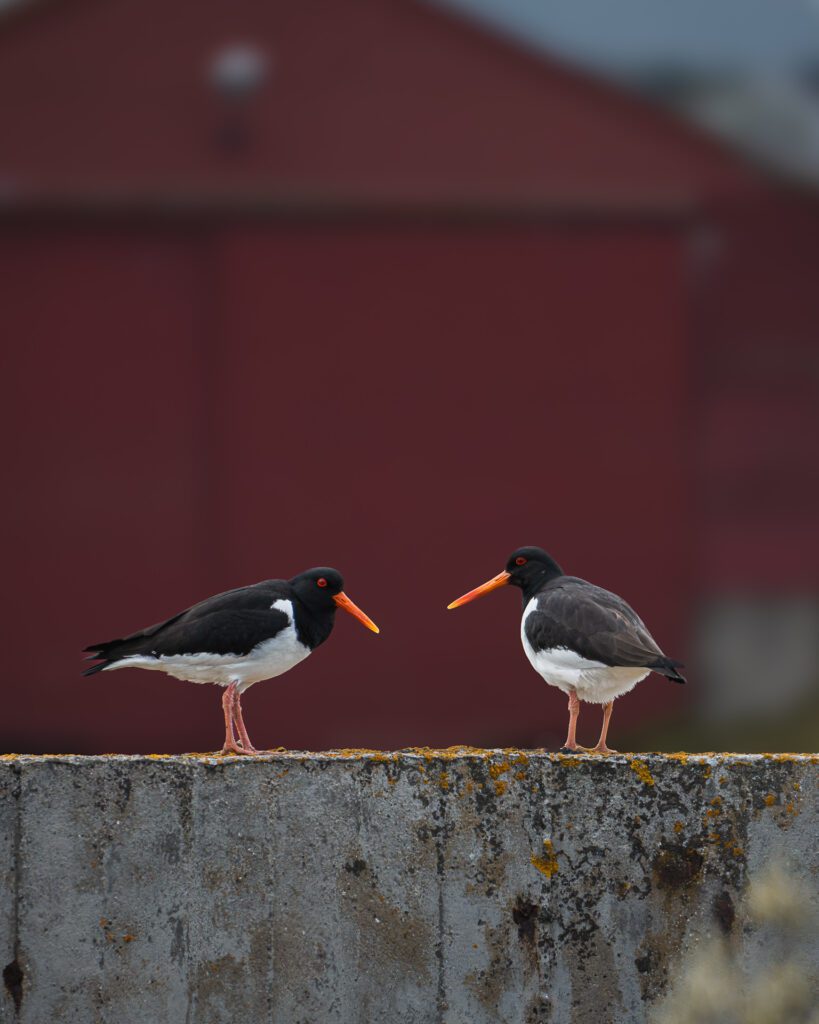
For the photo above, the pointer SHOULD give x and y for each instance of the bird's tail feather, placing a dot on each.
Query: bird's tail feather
(668, 667)
(106, 653)
(97, 650)
(97, 668)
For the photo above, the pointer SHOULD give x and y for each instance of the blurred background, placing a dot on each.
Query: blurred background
(398, 286)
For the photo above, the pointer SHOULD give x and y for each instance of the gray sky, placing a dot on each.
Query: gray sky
(743, 35)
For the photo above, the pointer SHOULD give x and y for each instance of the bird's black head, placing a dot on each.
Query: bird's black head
(528, 568)
(317, 587)
(321, 590)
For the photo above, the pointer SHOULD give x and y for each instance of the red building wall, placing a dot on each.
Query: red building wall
(194, 408)
(372, 97)
(448, 297)
(757, 411)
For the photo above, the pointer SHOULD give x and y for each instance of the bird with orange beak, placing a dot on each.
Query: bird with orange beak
(238, 638)
(584, 640)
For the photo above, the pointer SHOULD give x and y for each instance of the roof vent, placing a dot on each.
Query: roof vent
(239, 70)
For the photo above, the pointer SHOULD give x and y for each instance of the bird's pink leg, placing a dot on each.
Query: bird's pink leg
(231, 746)
(601, 747)
(247, 746)
(574, 710)
(230, 702)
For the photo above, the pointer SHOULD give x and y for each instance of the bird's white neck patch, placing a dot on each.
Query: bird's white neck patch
(283, 605)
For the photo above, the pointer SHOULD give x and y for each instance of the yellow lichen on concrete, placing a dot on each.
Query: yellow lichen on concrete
(371, 755)
(715, 810)
(447, 753)
(679, 755)
(640, 769)
(547, 862)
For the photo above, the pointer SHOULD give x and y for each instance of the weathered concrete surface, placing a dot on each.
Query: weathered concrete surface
(453, 886)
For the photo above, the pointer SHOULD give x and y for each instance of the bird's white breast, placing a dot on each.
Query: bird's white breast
(268, 659)
(592, 681)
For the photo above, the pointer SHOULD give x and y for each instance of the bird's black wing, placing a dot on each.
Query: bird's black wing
(221, 632)
(599, 625)
(239, 618)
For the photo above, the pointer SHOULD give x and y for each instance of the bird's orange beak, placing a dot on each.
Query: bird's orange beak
(344, 602)
(497, 581)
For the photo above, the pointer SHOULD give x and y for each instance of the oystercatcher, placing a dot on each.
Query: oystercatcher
(582, 639)
(237, 638)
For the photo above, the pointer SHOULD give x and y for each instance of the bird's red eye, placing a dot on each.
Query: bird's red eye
(322, 582)
(520, 561)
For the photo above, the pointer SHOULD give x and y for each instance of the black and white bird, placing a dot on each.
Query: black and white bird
(237, 638)
(580, 638)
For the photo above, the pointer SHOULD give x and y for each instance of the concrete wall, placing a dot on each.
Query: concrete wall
(451, 886)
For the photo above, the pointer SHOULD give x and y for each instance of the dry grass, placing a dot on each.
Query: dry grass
(713, 988)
